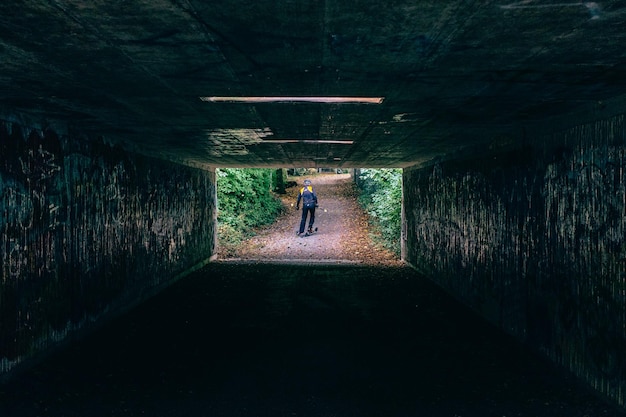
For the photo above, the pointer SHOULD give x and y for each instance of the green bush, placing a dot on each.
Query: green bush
(244, 201)
(381, 196)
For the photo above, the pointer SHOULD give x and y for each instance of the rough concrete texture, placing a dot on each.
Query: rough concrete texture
(452, 74)
(88, 230)
(534, 241)
(537, 246)
(307, 340)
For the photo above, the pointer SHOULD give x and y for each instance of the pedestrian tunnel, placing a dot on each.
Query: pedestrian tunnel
(530, 240)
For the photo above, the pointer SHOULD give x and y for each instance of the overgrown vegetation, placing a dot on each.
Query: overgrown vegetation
(381, 197)
(245, 201)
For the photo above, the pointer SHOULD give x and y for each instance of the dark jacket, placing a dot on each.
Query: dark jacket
(308, 197)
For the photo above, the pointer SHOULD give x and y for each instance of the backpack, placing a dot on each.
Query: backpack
(308, 196)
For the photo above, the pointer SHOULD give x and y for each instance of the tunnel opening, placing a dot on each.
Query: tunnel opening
(357, 218)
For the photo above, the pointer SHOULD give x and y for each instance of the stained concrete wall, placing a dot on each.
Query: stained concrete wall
(534, 240)
(87, 231)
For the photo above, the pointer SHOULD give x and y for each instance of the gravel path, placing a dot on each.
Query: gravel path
(343, 230)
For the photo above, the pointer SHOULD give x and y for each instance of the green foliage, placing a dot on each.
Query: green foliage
(381, 196)
(279, 180)
(298, 172)
(245, 201)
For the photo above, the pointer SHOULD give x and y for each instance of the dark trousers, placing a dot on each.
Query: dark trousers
(305, 212)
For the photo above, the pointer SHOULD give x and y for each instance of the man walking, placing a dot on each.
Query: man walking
(309, 202)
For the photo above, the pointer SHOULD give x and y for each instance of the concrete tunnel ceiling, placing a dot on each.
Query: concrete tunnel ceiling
(168, 78)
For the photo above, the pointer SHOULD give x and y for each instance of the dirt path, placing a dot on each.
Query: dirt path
(343, 231)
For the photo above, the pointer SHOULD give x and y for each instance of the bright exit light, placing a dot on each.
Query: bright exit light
(296, 99)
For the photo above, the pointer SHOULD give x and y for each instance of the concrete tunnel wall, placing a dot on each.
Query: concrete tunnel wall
(534, 241)
(88, 231)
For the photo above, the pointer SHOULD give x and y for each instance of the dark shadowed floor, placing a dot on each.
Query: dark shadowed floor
(249, 339)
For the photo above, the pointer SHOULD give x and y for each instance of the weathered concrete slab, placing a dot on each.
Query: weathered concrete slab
(453, 75)
(266, 339)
